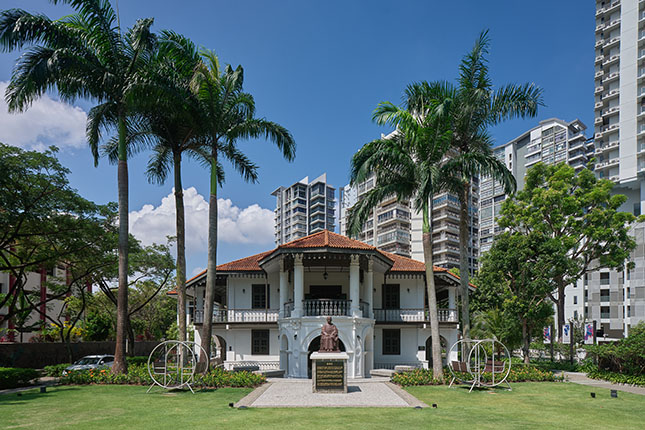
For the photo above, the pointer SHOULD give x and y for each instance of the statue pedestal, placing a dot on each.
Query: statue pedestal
(329, 372)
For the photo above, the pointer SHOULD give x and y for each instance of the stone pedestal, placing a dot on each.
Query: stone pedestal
(329, 372)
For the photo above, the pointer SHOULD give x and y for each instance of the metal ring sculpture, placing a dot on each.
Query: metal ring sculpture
(172, 364)
(477, 363)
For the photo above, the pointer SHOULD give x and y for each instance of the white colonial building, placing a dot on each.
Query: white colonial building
(271, 306)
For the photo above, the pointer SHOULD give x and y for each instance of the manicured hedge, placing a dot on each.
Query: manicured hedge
(519, 373)
(138, 375)
(56, 370)
(11, 377)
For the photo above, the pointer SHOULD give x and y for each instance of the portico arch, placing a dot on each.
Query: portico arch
(314, 346)
(284, 353)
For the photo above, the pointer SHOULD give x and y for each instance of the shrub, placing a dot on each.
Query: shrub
(137, 360)
(627, 356)
(617, 378)
(56, 370)
(519, 373)
(555, 365)
(11, 377)
(138, 375)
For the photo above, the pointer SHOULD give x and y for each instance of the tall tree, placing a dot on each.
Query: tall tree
(43, 223)
(407, 164)
(475, 107)
(169, 119)
(514, 271)
(581, 218)
(84, 55)
(229, 115)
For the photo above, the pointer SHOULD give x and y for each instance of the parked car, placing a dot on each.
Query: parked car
(91, 362)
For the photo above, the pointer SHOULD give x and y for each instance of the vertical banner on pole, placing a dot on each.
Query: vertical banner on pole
(589, 333)
(566, 333)
(546, 337)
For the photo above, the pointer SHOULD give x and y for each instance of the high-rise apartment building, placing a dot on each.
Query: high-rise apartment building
(388, 228)
(551, 141)
(304, 208)
(616, 300)
(396, 226)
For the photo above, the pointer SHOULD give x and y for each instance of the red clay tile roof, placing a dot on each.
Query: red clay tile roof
(325, 239)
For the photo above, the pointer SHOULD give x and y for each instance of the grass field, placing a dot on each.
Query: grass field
(529, 405)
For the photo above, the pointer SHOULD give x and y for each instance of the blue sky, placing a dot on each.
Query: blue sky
(319, 69)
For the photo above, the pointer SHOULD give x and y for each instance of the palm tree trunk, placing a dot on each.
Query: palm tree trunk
(120, 365)
(211, 275)
(437, 364)
(464, 239)
(181, 248)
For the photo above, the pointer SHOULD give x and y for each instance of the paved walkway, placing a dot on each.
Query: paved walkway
(581, 378)
(45, 381)
(297, 393)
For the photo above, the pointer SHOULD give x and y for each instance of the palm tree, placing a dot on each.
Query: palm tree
(407, 163)
(229, 115)
(170, 117)
(471, 109)
(84, 55)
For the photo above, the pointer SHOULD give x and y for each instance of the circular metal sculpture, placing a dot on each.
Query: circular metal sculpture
(173, 364)
(486, 364)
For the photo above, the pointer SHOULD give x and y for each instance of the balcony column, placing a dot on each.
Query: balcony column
(452, 306)
(354, 285)
(369, 288)
(283, 288)
(451, 297)
(298, 285)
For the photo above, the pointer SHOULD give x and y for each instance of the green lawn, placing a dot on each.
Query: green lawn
(529, 405)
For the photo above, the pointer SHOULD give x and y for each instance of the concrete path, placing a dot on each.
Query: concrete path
(297, 393)
(582, 379)
(45, 381)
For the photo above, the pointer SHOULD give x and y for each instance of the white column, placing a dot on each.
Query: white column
(354, 285)
(369, 288)
(283, 288)
(451, 297)
(298, 285)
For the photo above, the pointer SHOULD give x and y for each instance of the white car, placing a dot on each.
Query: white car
(91, 362)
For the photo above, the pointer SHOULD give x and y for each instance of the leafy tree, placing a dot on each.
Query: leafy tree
(406, 164)
(513, 273)
(579, 216)
(43, 223)
(97, 326)
(472, 106)
(229, 116)
(84, 55)
(151, 269)
(495, 323)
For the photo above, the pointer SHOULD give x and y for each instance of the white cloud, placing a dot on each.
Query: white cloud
(252, 224)
(46, 122)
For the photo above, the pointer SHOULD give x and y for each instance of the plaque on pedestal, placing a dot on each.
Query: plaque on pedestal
(329, 372)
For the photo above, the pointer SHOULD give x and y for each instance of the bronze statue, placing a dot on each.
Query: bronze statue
(329, 337)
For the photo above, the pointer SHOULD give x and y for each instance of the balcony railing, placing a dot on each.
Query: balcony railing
(239, 316)
(325, 307)
(414, 315)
